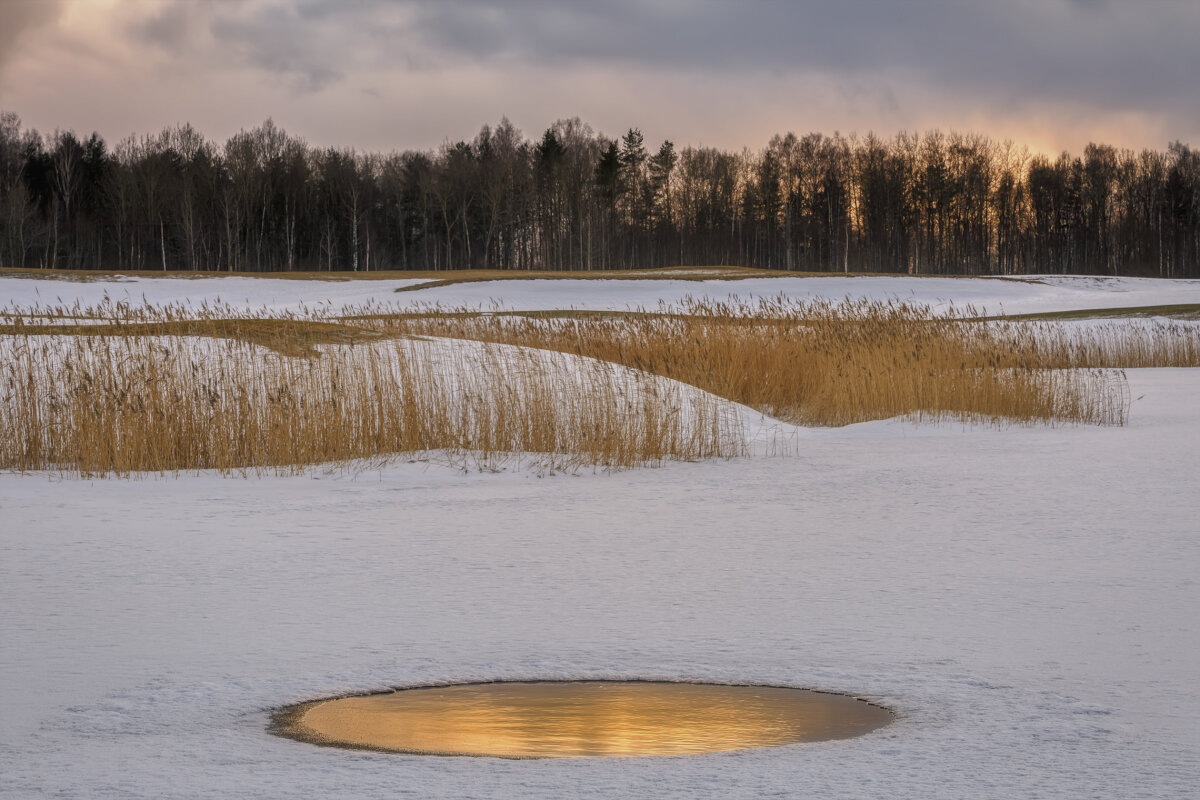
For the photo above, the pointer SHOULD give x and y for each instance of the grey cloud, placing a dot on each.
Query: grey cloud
(168, 28)
(1106, 53)
(19, 18)
(298, 40)
(999, 57)
(1141, 55)
(308, 41)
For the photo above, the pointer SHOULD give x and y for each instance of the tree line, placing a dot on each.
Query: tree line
(573, 199)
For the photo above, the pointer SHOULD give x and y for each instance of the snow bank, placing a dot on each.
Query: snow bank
(250, 295)
(991, 295)
(986, 295)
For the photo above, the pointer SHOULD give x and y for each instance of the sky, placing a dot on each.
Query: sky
(412, 74)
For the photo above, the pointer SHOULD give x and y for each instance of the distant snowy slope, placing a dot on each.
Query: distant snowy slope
(994, 295)
(273, 295)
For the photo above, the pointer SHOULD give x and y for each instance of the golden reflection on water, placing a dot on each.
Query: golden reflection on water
(597, 718)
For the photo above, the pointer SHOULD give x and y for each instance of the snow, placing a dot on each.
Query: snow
(252, 295)
(1024, 295)
(993, 295)
(1025, 598)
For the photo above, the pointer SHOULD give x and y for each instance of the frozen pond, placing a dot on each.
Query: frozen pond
(571, 719)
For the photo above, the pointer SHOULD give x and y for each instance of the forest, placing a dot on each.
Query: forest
(574, 199)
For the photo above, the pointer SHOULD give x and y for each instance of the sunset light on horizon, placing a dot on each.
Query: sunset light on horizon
(404, 74)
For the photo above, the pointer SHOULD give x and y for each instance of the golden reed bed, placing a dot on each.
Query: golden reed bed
(123, 390)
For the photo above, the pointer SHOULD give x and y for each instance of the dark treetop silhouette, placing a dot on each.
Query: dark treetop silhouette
(572, 199)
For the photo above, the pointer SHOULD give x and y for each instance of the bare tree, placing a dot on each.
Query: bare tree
(575, 199)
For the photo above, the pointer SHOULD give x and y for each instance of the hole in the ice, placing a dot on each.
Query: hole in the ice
(563, 719)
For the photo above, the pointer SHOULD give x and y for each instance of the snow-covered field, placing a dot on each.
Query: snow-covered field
(273, 295)
(993, 295)
(255, 295)
(1026, 599)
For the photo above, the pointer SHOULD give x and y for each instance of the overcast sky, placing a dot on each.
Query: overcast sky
(396, 74)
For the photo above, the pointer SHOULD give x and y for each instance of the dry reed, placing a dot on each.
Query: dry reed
(120, 389)
(834, 364)
(120, 404)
